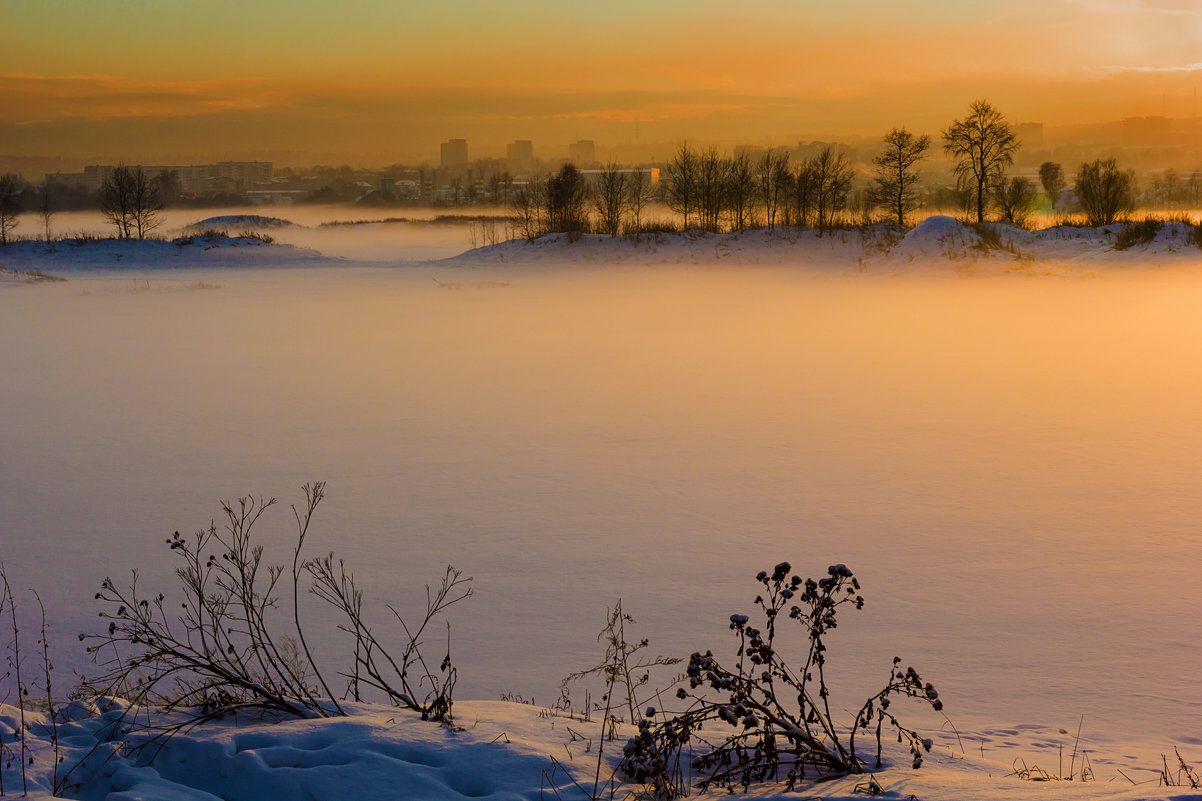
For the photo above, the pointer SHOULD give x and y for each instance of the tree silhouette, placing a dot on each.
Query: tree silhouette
(1106, 192)
(10, 187)
(983, 145)
(895, 182)
(1052, 177)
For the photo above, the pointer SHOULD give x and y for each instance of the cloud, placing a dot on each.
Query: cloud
(1179, 68)
(1172, 7)
(38, 98)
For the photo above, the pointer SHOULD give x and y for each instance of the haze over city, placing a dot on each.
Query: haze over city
(379, 82)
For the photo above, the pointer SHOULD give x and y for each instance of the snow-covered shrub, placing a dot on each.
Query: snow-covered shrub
(626, 669)
(1140, 232)
(1193, 233)
(229, 644)
(765, 718)
(397, 676)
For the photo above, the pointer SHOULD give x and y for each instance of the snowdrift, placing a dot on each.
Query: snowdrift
(836, 249)
(22, 277)
(939, 238)
(188, 251)
(937, 242)
(238, 223)
(497, 750)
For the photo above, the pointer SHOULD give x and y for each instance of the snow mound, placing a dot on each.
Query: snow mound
(189, 251)
(939, 241)
(842, 249)
(241, 222)
(1166, 238)
(21, 277)
(940, 237)
(1007, 235)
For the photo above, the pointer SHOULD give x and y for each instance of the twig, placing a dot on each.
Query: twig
(1072, 767)
(46, 668)
(22, 693)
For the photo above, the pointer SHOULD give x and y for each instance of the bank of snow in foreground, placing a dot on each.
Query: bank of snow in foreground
(496, 749)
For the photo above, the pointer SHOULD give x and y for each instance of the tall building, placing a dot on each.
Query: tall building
(520, 153)
(454, 153)
(582, 152)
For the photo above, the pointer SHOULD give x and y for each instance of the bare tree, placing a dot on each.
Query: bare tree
(499, 186)
(861, 206)
(805, 194)
(10, 188)
(983, 145)
(610, 198)
(774, 179)
(47, 208)
(526, 209)
(1106, 192)
(565, 199)
(680, 183)
(116, 200)
(146, 202)
(895, 181)
(741, 185)
(784, 209)
(639, 194)
(1052, 177)
(1170, 189)
(711, 186)
(1015, 200)
(167, 184)
(831, 177)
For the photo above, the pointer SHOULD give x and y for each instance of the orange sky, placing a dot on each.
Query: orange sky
(135, 79)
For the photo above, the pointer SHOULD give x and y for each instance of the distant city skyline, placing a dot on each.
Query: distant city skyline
(83, 79)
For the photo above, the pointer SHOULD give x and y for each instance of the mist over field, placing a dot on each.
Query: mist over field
(1011, 466)
(315, 227)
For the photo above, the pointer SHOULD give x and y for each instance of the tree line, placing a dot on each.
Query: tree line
(130, 201)
(712, 192)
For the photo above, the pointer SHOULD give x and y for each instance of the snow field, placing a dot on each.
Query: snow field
(498, 750)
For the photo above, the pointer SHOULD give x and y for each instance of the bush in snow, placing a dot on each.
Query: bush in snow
(763, 718)
(625, 668)
(221, 646)
(1140, 232)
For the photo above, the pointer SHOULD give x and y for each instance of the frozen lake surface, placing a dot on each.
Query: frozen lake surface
(1013, 467)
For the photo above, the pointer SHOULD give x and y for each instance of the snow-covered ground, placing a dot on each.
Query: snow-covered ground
(1012, 468)
(12, 277)
(938, 243)
(334, 231)
(71, 256)
(495, 749)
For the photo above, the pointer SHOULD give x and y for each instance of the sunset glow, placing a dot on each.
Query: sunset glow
(372, 78)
